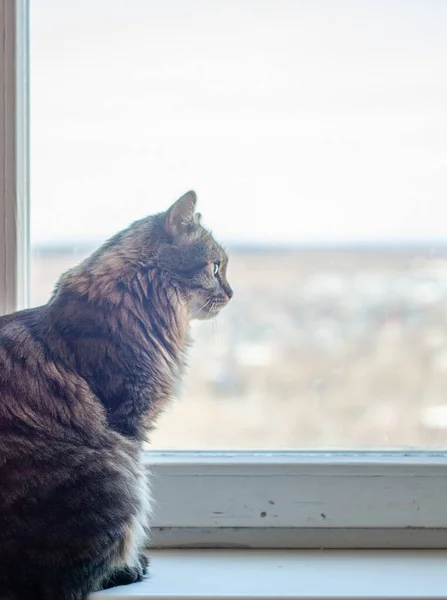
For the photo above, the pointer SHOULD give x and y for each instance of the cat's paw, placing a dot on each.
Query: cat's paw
(144, 564)
(125, 575)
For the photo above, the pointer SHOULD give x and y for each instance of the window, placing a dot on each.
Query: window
(315, 136)
(294, 159)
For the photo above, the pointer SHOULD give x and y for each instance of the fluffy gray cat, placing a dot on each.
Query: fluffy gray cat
(82, 379)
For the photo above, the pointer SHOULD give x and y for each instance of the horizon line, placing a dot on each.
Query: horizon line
(380, 245)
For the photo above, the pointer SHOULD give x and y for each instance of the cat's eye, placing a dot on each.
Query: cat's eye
(216, 266)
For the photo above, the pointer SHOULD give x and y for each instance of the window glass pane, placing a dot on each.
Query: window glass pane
(315, 134)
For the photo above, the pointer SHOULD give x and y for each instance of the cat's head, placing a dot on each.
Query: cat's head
(171, 248)
(195, 262)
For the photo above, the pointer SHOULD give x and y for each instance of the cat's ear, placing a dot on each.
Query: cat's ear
(180, 216)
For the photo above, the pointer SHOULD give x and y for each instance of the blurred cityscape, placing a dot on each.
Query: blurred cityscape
(319, 349)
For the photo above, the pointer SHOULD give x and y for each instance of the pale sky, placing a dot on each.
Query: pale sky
(295, 121)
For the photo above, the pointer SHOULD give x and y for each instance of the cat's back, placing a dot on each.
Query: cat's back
(18, 346)
(40, 392)
(20, 329)
(27, 315)
(69, 486)
(22, 349)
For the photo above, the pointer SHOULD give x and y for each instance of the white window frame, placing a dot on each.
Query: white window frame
(299, 499)
(14, 153)
(232, 499)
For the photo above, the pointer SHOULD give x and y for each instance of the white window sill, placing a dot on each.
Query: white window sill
(297, 574)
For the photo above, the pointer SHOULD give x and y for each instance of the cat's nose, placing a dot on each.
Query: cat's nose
(229, 292)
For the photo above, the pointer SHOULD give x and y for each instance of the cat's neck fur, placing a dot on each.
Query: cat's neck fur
(126, 329)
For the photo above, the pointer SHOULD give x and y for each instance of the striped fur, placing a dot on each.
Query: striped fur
(82, 380)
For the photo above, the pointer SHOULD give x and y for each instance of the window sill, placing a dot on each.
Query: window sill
(291, 574)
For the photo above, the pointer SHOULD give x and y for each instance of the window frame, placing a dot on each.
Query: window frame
(292, 499)
(231, 499)
(14, 154)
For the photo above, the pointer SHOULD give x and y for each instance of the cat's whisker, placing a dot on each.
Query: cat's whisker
(215, 329)
(213, 306)
(202, 307)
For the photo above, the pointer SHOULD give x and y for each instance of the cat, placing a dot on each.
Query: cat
(82, 380)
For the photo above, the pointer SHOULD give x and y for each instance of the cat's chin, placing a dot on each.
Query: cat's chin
(208, 310)
(206, 315)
